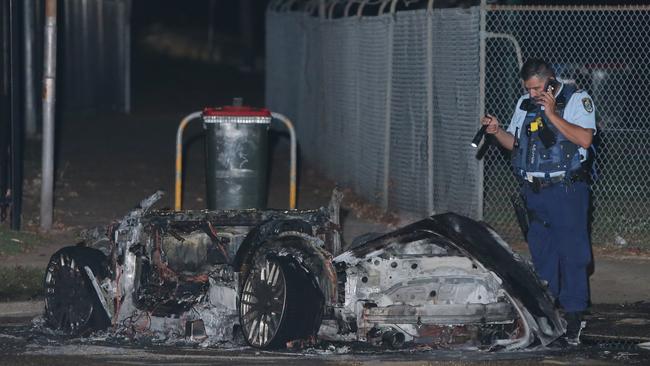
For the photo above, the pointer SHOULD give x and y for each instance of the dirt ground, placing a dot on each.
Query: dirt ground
(107, 162)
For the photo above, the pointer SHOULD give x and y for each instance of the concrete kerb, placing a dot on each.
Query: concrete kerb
(21, 309)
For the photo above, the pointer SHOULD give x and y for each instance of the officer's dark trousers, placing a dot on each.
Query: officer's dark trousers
(558, 239)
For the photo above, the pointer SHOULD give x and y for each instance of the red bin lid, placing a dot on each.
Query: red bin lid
(233, 111)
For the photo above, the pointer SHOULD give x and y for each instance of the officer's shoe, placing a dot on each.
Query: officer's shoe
(573, 328)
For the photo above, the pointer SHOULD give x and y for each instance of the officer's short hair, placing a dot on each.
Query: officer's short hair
(536, 67)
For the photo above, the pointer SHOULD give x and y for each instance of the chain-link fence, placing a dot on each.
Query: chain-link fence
(387, 104)
(604, 50)
(384, 104)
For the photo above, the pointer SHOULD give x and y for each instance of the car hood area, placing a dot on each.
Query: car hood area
(457, 236)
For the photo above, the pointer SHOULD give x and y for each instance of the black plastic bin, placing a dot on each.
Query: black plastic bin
(236, 157)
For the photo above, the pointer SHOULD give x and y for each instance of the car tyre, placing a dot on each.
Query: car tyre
(71, 303)
(279, 302)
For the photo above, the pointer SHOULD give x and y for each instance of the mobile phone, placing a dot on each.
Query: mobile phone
(552, 85)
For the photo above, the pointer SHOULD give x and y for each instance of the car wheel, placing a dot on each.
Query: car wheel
(279, 302)
(71, 303)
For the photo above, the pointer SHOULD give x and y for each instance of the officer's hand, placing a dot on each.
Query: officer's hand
(547, 99)
(491, 122)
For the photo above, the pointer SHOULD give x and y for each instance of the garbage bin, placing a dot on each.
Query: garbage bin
(236, 148)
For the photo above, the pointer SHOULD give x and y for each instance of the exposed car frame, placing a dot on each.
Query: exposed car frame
(276, 276)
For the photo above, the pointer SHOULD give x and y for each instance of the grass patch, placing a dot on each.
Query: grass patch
(16, 242)
(21, 283)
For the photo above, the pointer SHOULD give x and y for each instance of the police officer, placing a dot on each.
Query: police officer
(550, 134)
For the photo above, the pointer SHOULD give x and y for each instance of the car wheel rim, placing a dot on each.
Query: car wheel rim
(68, 305)
(263, 303)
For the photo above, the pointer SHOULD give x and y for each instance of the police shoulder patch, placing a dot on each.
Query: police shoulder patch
(588, 105)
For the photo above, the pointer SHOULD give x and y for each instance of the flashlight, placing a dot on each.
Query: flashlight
(479, 136)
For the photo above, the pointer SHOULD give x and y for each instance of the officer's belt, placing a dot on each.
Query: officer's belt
(544, 182)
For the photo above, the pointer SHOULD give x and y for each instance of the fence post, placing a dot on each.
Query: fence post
(389, 87)
(127, 57)
(481, 107)
(28, 34)
(430, 205)
(15, 111)
(121, 52)
(358, 94)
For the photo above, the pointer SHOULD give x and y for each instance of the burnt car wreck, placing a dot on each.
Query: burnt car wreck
(275, 276)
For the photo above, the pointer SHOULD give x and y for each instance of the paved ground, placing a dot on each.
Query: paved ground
(620, 280)
(23, 341)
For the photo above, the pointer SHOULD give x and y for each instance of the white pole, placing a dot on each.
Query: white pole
(49, 77)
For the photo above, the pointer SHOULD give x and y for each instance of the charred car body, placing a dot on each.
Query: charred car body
(272, 277)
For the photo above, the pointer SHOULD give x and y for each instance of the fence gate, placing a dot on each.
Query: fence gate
(606, 51)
